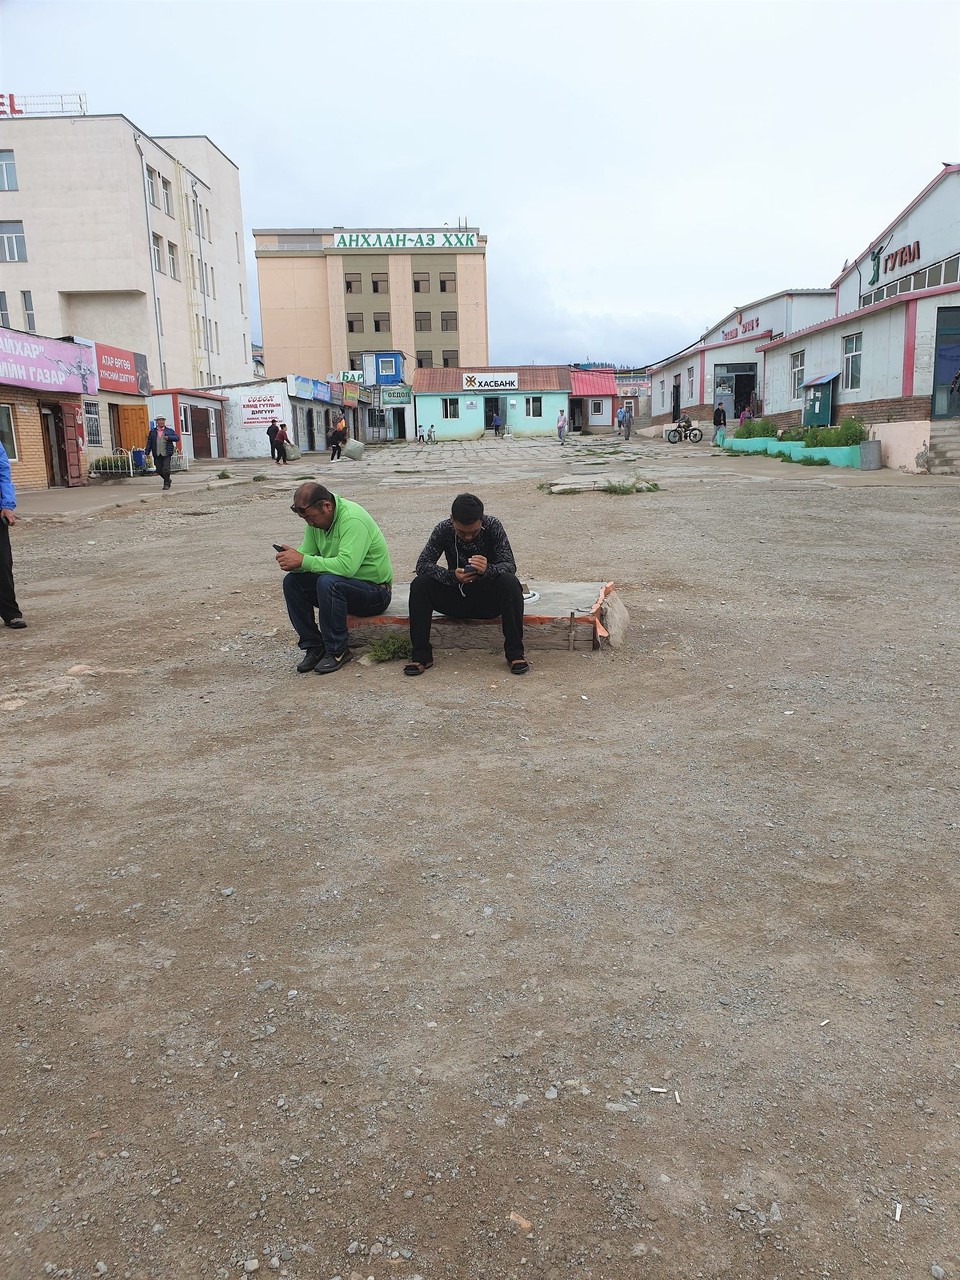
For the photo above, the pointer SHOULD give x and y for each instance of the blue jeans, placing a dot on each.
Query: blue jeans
(333, 598)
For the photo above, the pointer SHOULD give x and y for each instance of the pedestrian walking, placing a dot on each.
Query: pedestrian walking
(272, 437)
(495, 423)
(162, 442)
(620, 421)
(561, 425)
(281, 439)
(719, 422)
(627, 421)
(338, 439)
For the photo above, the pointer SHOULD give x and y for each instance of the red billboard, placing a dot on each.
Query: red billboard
(120, 370)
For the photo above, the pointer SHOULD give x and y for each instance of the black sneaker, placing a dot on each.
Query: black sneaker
(309, 660)
(331, 663)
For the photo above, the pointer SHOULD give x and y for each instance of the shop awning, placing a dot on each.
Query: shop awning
(824, 377)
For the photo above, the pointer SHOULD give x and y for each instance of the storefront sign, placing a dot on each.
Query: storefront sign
(743, 327)
(119, 370)
(347, 375)
(351, 393)
(43, 104)
(392, 397)
(26, 361)
(491, 381)
(901, 257)
(257, 410)
(307, 388)
(405, 240)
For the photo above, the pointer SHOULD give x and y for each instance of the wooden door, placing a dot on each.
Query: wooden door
(133, 424)
(200, 430)
(70, 428)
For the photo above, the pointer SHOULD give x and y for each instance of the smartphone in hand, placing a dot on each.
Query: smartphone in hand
(469, 568)
(277, 547)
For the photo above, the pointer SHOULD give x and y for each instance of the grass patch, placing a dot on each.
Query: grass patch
(223, 475)
(258, 478)
(621, 487)
(390, 647)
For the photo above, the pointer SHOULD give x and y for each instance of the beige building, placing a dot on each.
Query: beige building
(127, 240)
(329, 294)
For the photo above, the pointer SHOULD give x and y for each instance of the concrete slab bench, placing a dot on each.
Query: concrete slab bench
(557, 615)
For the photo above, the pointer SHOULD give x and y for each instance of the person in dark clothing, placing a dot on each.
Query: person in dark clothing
(162, 442)
(272, 437)
(479, 581)
(719, 421)
(338, 438)
(279, 441)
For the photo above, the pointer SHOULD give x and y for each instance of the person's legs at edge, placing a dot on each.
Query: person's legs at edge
(9, 609)
(337, 597)
(300, 597)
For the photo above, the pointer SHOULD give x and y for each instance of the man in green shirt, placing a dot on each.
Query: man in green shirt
(340, 567)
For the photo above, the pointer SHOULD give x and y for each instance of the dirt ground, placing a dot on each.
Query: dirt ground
(643, 965)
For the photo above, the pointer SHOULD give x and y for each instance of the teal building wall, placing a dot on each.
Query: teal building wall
(470, 424)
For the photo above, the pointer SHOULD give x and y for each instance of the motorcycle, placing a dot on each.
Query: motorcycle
(684, 431)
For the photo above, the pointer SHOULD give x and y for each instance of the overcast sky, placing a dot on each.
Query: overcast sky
(640, 170)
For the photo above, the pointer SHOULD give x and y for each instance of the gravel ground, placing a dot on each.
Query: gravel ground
(643, 965)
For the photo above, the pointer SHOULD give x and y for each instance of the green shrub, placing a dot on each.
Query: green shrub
(390, 647)
(110, 464)
(850, 431)
(258, 478)
(755, 429)
(223, 475)
(814, 462)
(793, 434)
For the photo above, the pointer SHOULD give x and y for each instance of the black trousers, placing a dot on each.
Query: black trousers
(498, 596)
(335, 452)
(273, 448)
(9, 609)
(163, 469)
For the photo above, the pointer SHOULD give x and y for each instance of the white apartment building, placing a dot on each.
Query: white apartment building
(136, 242)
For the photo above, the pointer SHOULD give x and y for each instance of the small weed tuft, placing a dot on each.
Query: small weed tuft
(223, 475)
(390, 648)
(256, 479)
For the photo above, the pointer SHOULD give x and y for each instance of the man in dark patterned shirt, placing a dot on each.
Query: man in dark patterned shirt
(479, 581)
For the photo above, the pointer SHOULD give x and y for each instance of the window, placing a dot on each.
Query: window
(245, 356)
(352, 282)
(13, 244)
(448, 321)
(354, 322)
(152, 187)
(236, 235)
(379, 282)
(596, 408)
(933, 275)
(448, 282)
(387, 366)
(424, 359)
(356, 361)
(173, 262)
(451, 359)
(381, 322)
(450, 408)
(950, 270)
(534, 406)
(29, 319)
(796, 375)
(157, 253)
(628, 407)
(421, 282)
(167, 196)
(216, 335)
(8, 172)
(159, 318)
(7, 437)
(663, 393)
(91, 423)
(196, 325)
(690, 382)
(852, 347)
(241, 300)
(4, 312)
(421, 322)
(209, 232)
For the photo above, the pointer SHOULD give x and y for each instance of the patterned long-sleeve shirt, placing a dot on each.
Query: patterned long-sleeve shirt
(491, 542)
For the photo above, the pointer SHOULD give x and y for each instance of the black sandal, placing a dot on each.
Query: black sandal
(416, 668)
(519, 666)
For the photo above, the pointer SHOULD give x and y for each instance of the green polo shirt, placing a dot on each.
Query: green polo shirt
(353, 546)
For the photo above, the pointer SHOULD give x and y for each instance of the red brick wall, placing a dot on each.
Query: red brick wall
(702, 413)
(901, 409)
(29, 471)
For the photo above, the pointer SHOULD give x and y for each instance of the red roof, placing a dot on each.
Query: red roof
(532, 377)
(593, 382)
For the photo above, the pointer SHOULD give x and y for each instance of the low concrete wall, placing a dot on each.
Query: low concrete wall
(903, 445)
(837, 456)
